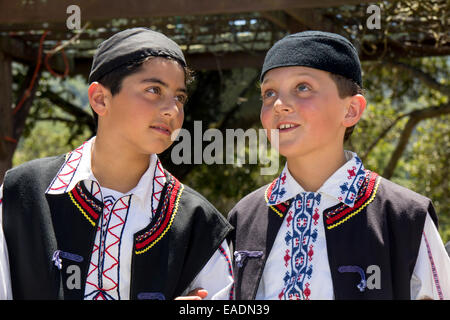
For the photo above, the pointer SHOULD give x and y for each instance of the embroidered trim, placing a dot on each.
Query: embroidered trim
(433, 269)
(65, 174)
(89, 201)
(169, 189)
(281, 208)
(342, 212)
(172, 198)
(230, 271)
(87, 211)
(300, 239)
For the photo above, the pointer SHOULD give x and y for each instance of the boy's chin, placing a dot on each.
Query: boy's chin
(157, 148)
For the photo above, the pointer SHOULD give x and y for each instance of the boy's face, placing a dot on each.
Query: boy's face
(148, 107)
(303, 103)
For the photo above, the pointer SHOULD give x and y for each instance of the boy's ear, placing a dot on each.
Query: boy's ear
(97, 95)
(355, 110)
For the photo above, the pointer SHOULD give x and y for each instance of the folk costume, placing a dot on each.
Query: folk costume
(70, 238)
(359, 236)
(64, 236)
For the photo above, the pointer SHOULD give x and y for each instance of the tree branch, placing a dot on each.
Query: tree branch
(414, 118)
(70, 108)
(425, 77)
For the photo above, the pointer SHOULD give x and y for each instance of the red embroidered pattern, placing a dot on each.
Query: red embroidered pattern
(65, 175)
(103, 279)
(167, 215)
(83, 205)
(230, 270)
(336, 213)
(280, 208)
(433, 269)
(158, 184)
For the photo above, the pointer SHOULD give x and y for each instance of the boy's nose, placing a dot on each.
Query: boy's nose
(170, 108)
(282, 105)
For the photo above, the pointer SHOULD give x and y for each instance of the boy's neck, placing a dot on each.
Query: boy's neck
(312, 170)
(115, 167)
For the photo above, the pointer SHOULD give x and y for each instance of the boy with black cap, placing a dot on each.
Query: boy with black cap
(327, 228)
(106, 221)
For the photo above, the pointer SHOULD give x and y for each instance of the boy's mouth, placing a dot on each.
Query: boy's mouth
(287, 126)
(162, 129)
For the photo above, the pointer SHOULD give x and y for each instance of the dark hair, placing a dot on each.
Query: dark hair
(113, 80)
(346, 88)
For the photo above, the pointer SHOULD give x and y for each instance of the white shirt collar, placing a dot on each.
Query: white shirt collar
(343, 184)
(77, 167)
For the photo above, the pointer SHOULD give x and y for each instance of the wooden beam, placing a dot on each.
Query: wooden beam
(197, 61)
(312, 19)
(50, 11)
(20, 51)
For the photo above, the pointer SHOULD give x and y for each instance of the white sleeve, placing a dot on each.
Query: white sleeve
(431, 275)
(216, 276)
(5, 279)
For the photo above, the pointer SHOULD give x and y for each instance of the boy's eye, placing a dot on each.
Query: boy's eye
(155, 90)
(268, 94)
(181, 98)
(303, 87)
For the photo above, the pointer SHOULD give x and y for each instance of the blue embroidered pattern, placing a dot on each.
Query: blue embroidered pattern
(349, 189)
(300, 239)
(278, 191)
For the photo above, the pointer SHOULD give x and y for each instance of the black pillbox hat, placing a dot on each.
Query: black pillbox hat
(315, 49)
(131, 45)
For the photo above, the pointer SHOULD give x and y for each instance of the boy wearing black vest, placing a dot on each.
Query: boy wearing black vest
(106, 221)
(327, 228)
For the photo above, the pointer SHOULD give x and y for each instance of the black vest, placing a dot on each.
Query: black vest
(383, 229)
(41, 229)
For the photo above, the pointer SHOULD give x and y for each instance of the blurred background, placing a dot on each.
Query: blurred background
(46, 49)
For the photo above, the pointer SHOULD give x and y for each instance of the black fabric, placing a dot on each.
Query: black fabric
(36, 225)
(386, 233)
(315, 49)
(130, 45)
(256, 227)
(29, 236)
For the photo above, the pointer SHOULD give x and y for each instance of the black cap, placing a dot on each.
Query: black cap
(315, 49)
(131, 45)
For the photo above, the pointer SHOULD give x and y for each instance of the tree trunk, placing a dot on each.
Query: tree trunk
(12, 122)
(6, 123)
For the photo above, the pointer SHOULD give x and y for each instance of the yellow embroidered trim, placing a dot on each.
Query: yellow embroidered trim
(81, 209)
(175, 209)
(272, 207)
(360, 208)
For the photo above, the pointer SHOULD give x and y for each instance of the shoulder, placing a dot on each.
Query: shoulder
(250, 204)
(395, 193)
(34, 171)
(198, 209)
(402, 203)
(195, 199)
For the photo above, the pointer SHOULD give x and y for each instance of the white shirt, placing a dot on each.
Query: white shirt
(123, 216)
(294, 273)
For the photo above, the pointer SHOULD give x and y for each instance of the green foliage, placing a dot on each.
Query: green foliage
(214, 97)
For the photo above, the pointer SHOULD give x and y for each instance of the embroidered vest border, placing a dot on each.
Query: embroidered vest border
(340, 213)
